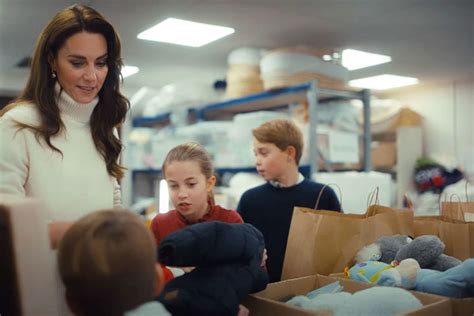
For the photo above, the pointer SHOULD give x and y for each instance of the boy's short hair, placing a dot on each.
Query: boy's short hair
(282, 133)
(107, 263)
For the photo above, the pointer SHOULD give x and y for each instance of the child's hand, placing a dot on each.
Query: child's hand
(187, 269)
(243, 311)
(264, 258)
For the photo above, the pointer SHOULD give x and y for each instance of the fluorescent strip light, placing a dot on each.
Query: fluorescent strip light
(355, 59)
(184, 32)
(129, 70)
(383, 82)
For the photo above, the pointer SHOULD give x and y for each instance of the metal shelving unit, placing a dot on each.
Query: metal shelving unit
(269, 100)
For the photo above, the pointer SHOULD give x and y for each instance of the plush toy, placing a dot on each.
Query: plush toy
(380, 273)
(439, 274)
(455, 282)
(379, 300)
(427, 250)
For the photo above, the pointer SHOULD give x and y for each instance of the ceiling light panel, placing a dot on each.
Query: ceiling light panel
(129, 70)
(184, 32)
(355, 59)
(383, 82)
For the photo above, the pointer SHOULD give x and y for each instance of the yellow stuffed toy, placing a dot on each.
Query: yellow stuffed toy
(394, 274)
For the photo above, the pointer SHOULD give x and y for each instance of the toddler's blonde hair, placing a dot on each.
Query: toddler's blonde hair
(107, 263)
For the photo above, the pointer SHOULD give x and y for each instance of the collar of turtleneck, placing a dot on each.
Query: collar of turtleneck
(79, 112)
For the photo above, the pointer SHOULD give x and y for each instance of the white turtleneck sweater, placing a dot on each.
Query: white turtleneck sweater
(71, 185)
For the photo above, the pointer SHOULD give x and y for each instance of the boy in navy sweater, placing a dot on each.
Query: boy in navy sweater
(278, 146)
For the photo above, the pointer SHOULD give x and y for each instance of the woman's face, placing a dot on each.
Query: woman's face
(188, 188)
(81, 66)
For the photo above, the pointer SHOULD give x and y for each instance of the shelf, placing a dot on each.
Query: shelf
(149, 121)
(305, 170)
(273, 99)
(157, 120)
(268, 100)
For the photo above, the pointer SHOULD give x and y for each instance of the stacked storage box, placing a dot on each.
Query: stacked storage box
(281, 68)
(243, 75)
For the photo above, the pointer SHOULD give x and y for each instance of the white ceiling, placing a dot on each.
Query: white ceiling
(432, 40)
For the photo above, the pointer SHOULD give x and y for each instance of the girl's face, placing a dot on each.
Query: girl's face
(81, 66)
(188, 188)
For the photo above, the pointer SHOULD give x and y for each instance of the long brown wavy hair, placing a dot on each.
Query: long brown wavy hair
(112, 108)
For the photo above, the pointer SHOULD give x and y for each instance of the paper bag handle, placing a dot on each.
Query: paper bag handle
(407, 202)
(459, 211)
(371, 196)
(321, 193)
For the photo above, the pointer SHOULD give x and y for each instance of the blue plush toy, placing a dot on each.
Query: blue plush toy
(377, 300)
(455, 282)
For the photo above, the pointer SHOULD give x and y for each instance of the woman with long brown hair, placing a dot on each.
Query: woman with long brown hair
(58, 139)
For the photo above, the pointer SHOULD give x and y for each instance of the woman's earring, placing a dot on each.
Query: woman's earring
(53, 75)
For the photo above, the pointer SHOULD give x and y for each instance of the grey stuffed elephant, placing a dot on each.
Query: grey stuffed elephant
(427, 250)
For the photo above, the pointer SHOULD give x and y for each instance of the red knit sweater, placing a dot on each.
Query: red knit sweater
(164, 224)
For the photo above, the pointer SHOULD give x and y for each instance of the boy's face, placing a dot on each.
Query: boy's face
(271, 161)
(188, 188)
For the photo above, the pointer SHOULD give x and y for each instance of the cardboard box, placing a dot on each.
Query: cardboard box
(384, 154)
(29, 285)
(462, 306)
(459, 306)
(270, 301)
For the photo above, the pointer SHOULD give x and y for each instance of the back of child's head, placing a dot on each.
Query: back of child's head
(190, 152)
(107, 263)
(282, 133)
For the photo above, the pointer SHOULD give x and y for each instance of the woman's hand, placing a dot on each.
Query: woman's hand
(187, 269)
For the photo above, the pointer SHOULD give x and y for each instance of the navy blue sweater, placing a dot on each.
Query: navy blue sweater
(227, 260)
(270, 209)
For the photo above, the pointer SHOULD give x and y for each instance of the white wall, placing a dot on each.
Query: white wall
(448, 112)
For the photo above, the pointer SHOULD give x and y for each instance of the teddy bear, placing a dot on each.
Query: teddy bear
(427, 250)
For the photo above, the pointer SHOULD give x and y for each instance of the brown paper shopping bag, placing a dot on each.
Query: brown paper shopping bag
(457, 233)
(461, 211)
(324, 242)
(451, 227)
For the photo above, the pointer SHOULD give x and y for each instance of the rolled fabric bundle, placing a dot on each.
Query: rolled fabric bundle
(210, 243)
